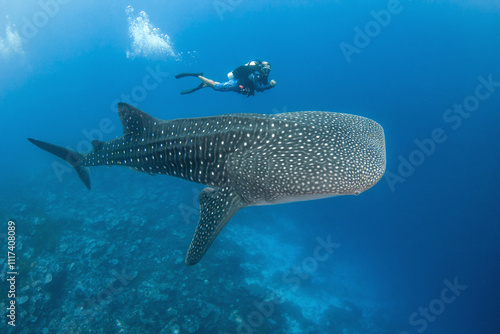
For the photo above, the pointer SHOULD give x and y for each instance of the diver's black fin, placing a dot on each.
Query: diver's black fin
(216, 209)
(187, 91)
(75, 159)
(182, 75)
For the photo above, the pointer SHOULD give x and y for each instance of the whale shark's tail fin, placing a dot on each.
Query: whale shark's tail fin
(217, 207)
(75, 159)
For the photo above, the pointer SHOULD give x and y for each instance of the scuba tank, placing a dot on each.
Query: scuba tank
(242, 73)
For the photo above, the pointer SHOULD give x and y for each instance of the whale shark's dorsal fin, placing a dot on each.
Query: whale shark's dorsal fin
(97, 144)
(134, 121)
(216, 209)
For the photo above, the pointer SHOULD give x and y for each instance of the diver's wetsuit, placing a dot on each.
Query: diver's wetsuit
(258, 81)
(245, 79)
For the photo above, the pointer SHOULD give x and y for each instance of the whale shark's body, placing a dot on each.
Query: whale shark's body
(245, 159)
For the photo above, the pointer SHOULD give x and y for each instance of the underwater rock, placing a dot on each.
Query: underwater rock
(48, 278)
(63, 247)
(172, 311)
(178, 234)
(191, 323)
(171, 329)
(234, 316)
(19, 207)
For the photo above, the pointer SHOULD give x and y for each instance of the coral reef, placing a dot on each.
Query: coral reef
(112, 260)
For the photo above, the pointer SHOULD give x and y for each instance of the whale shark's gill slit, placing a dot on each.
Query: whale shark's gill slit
(217, 207)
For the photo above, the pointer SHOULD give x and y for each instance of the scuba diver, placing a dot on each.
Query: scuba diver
(246, 79)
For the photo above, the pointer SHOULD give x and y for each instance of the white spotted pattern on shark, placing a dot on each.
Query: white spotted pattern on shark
(245, 159)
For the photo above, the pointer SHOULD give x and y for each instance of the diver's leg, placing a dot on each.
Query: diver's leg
(208, 82)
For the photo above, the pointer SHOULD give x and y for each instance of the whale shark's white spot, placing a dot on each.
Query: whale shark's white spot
(147, 41)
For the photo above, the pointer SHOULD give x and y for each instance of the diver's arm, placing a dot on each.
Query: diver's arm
(258, 82)
(261, 88)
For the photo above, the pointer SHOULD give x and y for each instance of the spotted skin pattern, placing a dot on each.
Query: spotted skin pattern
(244, 159)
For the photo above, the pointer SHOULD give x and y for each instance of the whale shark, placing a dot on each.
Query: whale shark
(243, 159)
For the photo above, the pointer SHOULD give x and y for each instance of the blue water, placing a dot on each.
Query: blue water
(417, 253)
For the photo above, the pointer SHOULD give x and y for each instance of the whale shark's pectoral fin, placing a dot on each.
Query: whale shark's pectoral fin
(216, 209)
